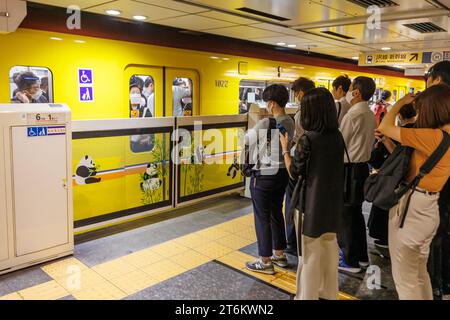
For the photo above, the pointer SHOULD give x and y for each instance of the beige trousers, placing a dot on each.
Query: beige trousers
(410, 247)
(317, 274)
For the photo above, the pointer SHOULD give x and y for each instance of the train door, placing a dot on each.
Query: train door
(182, 92)
(145, 91)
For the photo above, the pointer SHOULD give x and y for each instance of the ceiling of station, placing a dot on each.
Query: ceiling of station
(343, 28)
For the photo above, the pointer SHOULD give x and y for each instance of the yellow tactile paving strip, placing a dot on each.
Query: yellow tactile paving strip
(124, 276)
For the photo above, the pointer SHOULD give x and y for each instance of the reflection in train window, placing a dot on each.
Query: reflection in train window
(30, 85)
(142, 105)
(182, 102)
(251, 91)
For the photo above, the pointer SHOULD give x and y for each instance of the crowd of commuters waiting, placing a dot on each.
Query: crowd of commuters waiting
(320, 167)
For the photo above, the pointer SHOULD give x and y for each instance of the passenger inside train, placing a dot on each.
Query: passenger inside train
(179, 150)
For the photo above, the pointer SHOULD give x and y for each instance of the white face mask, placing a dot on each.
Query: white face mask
(135, 98)
(349, 96)
(146, 92)
(37, 95)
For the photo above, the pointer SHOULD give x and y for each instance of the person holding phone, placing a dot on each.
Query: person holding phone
(318, 165)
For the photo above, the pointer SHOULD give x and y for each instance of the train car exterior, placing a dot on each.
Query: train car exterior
(93, 76)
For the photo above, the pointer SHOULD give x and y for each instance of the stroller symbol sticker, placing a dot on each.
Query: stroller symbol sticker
(86, 94)
(86, 85)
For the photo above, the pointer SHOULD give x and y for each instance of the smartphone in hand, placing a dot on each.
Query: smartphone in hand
(282, 129)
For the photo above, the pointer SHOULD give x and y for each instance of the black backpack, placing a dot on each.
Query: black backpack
(385, 188)
(247, 168)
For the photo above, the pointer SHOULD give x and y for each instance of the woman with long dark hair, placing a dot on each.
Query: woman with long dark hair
(319, 162)
(409, 245)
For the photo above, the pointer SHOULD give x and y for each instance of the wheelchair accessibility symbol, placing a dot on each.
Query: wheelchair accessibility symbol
(85, 76)
(37, 131)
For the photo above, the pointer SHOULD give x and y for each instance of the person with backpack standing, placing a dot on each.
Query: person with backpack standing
(269, 180)
(414, 221)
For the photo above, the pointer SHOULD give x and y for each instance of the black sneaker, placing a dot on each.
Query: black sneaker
(281, 262)
(259, 266)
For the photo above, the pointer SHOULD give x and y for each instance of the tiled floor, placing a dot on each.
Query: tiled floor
(197, 256)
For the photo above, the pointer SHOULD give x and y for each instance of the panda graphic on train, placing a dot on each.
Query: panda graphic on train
(86, 172)
(150, 179)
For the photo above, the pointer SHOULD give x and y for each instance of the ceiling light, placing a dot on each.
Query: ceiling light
(214, 58)
(113, 12)
(292, 45)
(80, 41)
(140, 18)
(226, 59)
(281, 43)
(386, 48)
(56, 38)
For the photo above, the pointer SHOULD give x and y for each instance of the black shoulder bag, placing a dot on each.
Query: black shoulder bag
(247, 168)
(299, 193)
(387, 187)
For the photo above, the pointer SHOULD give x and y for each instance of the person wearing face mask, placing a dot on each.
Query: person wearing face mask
(269, 181)
(28, 89)
(135, 101)
(341, 85)
(439, 261)
(358, 129)
(300, 87)
(138, 109)
(149, 93)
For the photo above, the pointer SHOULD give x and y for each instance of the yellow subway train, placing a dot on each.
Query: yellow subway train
(123, 175)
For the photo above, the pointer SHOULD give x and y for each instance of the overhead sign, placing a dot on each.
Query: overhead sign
(85, 85)
(402, 58)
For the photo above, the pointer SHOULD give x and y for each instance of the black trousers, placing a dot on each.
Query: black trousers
(379, 225)
(291, 235)
(352, 236)
(439, 259)
(267, 196)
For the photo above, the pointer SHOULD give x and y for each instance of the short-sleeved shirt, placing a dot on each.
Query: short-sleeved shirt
(277, 159)
(425, 142)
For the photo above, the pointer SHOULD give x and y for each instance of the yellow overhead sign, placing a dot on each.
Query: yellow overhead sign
(398, 58)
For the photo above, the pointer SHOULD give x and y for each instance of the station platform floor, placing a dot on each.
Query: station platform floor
(197, 255)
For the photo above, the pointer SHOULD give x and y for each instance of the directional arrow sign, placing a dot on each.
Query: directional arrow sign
(414, 57)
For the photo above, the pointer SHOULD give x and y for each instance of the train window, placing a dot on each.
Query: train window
(182, 101)
(30, 85)
(142, 96)
(142, 105)
(250, 92)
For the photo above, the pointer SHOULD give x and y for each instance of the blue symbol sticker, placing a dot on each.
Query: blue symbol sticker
(37, 131)
(85, 77)
(32, 132)
(86, 94)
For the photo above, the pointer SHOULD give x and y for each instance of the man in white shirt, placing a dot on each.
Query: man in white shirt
(358, 129)
(341, 85)
(149, 93)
